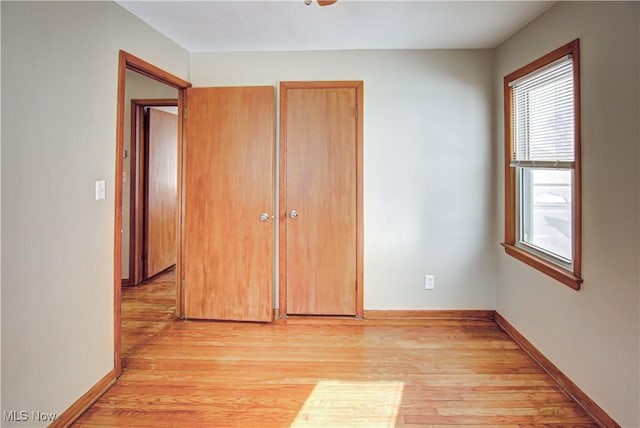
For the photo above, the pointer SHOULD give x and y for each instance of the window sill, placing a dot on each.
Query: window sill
(548, 268)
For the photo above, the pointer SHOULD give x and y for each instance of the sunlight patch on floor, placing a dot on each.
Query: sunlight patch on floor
(334, 403)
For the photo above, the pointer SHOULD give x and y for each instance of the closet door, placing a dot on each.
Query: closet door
(228, 203)
(319, 204)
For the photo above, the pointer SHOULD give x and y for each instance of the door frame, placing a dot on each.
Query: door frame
(282, 234)
(138, 176)
(126, 61)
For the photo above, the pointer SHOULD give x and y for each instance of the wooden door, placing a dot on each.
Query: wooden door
(160, 243)
(228, 185)
(319, 201)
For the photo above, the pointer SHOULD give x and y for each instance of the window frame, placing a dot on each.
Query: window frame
(570, 277)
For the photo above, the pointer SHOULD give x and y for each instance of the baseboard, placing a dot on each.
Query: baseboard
(570, 388)
(429, 314)
(411, 316)
(125, 282)
(83, 403)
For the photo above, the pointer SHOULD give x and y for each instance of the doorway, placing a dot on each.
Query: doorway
(152, 243)
(321, 228)
(130, 65)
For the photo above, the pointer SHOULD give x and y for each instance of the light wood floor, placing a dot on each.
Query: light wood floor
(320, 374)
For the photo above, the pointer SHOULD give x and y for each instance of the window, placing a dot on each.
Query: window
(542, 164)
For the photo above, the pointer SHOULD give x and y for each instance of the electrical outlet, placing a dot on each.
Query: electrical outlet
(429, 282)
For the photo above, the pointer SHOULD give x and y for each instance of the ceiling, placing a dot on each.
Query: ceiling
(267, 25)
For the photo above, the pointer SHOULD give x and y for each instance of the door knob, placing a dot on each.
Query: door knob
(264, 217)
(293, 213)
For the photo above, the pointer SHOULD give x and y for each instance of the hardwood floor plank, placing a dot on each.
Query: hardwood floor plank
(300, 368)
(441, 372)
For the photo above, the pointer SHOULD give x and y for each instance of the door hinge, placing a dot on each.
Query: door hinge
(184, 113)
(356, 111)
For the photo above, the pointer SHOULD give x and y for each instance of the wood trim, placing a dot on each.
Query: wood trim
(470, 314)
(131, 62)
(577, 172)
(282, 204)
(509, 172)
(125, 282)
(117, 229)
(359, 87)
(149, 70)
(156, 102)
(360, 201)
(144, 193)
(85, 401)
(320, 320)
(134, 249)
(572, 279)
(570, 388)
(391, 317)
(320, 85)
(179, 214)
(554, 55)
(564, 276)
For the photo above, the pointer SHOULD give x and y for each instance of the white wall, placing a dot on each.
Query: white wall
(137, 87)
(59, 87)
(592, 335)
(428, 161)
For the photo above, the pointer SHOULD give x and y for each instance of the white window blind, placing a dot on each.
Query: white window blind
(543, 117)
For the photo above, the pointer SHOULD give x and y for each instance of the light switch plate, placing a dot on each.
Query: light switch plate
(101, 189)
